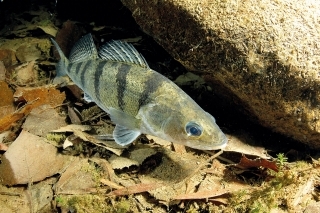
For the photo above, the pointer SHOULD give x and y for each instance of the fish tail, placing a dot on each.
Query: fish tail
(61, 67)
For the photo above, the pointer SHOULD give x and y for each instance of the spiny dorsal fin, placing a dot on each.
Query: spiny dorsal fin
(122, 52)
(83, 49)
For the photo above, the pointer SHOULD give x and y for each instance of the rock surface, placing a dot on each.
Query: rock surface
(264, 52)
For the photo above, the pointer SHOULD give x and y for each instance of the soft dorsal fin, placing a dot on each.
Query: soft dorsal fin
(84, 49)
(122, 52)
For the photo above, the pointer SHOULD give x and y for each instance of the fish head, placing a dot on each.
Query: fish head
(199, 132)
(194, 128)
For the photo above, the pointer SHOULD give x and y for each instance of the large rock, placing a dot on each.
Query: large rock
(267, 53)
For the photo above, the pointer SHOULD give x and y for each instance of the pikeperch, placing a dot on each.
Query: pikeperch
(138, 99)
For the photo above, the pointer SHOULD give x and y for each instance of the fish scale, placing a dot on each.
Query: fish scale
(139, 100)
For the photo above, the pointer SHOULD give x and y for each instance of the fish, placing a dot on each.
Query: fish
(138, 99)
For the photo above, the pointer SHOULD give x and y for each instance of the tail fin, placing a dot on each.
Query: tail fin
(62, 65)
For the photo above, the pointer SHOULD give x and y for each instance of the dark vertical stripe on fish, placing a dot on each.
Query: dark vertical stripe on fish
(121, 79)
(69, 67)
(78, 67)
(97, 75)
(151, 85)
(83, 72)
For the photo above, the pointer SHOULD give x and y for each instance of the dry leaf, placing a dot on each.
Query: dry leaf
(7, 121)
(77, 179)
(30, 159)
(179, 148)
(45, 95)
(159, 141)
(203, 194)
(140, 154)
(113, 185)
(42, 120)
(50, 30)
(2, 71)
(121, 162)
(78, 131)
(248, 163)
(142, 187)
(176, 173)
(8, 57)
(236, 145)
(3, 147)
(26, 73)
(106, 166)
(6, 95)
(67, 143)
(6, 110)
(72, 128)
(306, 188)
(74, 115)
(28, 52)
(20, 198)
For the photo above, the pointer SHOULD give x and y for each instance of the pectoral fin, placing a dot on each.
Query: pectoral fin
(124, 136)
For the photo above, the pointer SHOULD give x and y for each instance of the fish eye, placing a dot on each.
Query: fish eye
(193, 129)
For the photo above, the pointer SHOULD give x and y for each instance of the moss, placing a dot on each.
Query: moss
(56, 137)
(95, 203)
(266, 197)
(96, 173)
(122, 206)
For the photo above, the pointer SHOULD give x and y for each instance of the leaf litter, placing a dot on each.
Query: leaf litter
(80, 167)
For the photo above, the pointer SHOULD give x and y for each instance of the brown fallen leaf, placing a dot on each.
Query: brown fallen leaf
(118, 162)
(203, 194)
(42, 120)
(72, 128)
(45, 95)
(179, 148)
(35, 97)
(160, 141)
(21, 199)
(6, 110)
(78, 131)
(74, 115)
(141, 187)
(6, 107)
(30, 159)
(111, 184)
(106, 167)
(3, 147)
(141, 153)
(2, 71)
(26, 73)
(78, 178)
(177, 172)
(6, 94)
(248, 163)
(7, 56)
(7, 121)
(237, 145)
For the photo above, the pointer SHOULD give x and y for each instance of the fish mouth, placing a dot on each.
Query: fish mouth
(221, 145)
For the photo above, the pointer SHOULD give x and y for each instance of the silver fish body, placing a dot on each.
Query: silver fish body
(138, 99)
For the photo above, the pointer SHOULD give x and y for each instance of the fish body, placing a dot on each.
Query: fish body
(138, 99)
